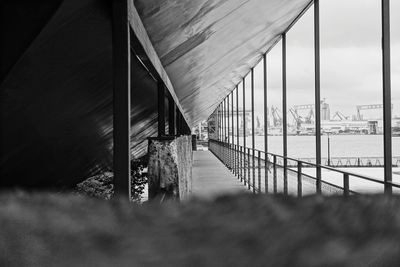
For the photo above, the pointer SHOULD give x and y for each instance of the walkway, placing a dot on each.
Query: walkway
(211, 178)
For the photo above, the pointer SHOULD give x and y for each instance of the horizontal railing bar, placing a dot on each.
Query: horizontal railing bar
(351, 174)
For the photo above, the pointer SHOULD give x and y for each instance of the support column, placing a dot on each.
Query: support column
(161, 108)
(284, 114)
(244, 132)
(228, 119)
(317, 96)
(237, 128)
(387, 98)
(233, 136)
(172, 117)
(121, 98)
(253, 145)
(265, 123)
(225, 121)
(218, 122)
(227, 132)
(179, 131)
(221, 122)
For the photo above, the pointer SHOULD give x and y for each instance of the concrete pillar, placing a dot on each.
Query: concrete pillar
(170, 168)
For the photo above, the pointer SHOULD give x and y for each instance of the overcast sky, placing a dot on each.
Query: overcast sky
(350, 59)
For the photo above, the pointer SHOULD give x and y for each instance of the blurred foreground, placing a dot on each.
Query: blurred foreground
(237, 230)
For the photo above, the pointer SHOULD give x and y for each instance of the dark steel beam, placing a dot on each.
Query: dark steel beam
(237, 115)
(237, 129)
(121, 98)
(387, 98)
(224, 116)
(178, 123)
(253, 144)
(228, 122)
(233, 134)
(284, 114)
(244, 131)
(217, 124)
(265, 123)
(244, 112)
(221, 121)
(317, 94)
(161, 108)
(171, 117)
(227, 131)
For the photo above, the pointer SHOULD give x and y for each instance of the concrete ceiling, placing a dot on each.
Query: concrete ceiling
(208, 46)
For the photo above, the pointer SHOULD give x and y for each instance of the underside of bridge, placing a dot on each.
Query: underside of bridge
(56, 89)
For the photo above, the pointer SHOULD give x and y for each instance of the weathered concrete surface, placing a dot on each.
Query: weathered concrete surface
(211, 178)
(185, 165)
(170, 168)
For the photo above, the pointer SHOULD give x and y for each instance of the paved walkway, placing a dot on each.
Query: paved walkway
(211, 178)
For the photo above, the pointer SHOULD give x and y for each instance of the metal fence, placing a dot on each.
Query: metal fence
(263, 172)
(354, 162)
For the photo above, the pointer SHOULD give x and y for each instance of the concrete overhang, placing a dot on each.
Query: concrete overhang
(208, 46)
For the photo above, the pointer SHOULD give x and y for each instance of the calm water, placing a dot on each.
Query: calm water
(340, 145)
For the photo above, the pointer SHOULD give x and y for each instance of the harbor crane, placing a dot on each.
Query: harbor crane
(296, 118)
(340, 116)
(277, 119)
(359, 117)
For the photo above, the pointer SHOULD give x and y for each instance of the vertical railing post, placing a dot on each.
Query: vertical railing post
(228, 162)
(284, 112)
(244, 129)
(241, 165)
(234, 149)
(223, 131)
(265, 123)
(233, 137)
(346, 185)
(387, 98)
(220, 122)
(121, 98)
(237, 121)
(259, 170)
(253, 131)
(299, 180)
(224, 141)
(275, 175)
(317, 94)
(248, 167)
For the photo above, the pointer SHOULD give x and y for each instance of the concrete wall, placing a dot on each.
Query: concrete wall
(170, 168)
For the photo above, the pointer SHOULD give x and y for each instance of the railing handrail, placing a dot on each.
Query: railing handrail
(364, 177)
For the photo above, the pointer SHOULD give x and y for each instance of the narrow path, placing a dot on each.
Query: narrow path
(211, 178)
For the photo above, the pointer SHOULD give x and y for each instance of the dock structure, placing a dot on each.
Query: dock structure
(85, 85)
(100, 98)
(211, 178)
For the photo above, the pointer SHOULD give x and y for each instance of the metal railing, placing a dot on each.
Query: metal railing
(263, 172)
(354, 162)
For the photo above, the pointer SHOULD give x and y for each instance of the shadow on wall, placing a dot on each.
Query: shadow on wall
(56, 100)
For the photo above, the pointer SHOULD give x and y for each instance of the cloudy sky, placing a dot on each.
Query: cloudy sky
(350, 59)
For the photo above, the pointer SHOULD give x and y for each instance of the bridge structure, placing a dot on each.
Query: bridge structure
(260, 170)
(90, 86)
(354, 162)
